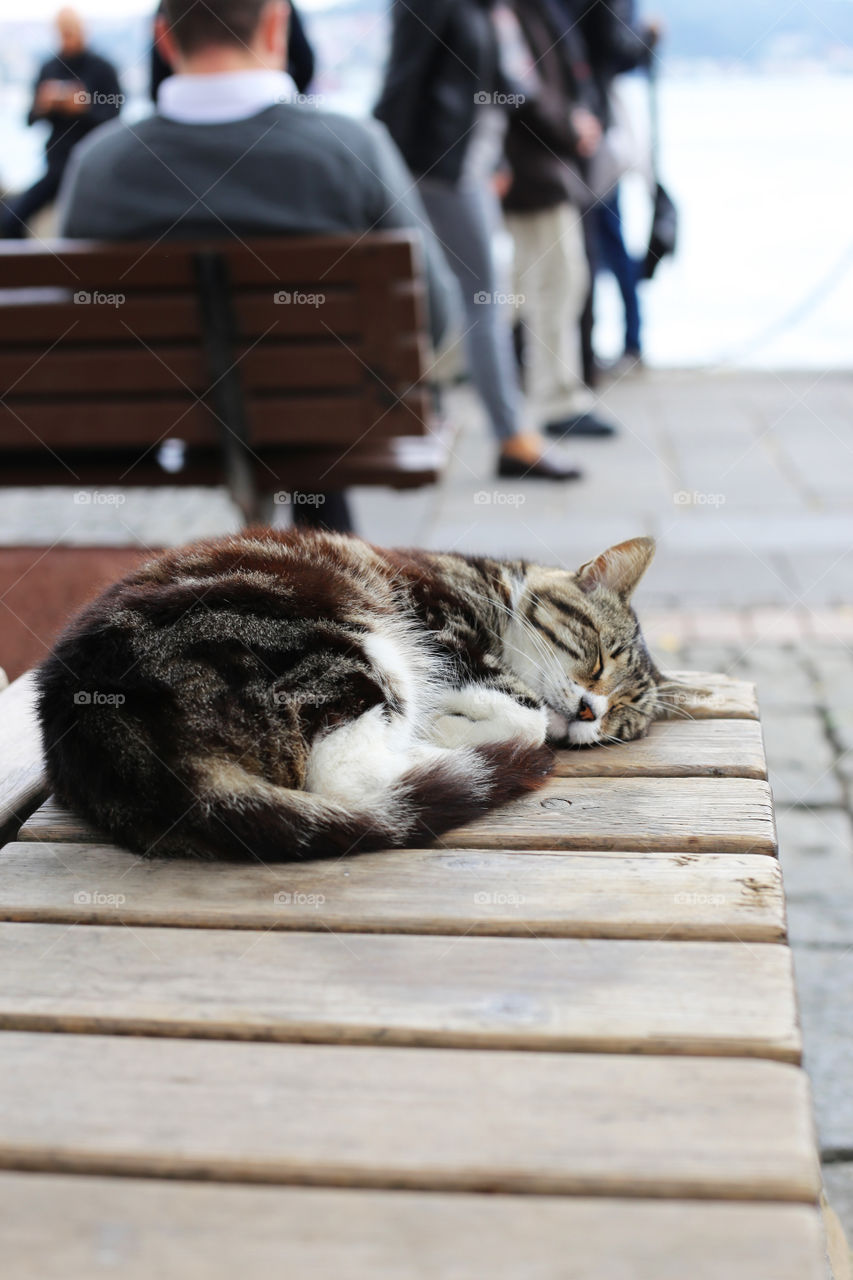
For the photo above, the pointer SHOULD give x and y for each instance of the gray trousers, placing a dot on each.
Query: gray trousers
(464, 218)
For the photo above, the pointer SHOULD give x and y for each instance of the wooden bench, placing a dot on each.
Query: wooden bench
(279, 364)
(278, 367)
(561, 1043)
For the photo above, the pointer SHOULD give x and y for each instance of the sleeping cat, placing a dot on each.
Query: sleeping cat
(300, 695)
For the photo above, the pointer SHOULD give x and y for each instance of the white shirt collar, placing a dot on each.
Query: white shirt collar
(229, 95)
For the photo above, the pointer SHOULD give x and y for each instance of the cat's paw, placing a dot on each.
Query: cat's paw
(474, 716)
(558, 727)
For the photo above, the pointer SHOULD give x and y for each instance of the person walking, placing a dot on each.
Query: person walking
(75, 91)
(444, 102)
(549, 141)
(616, 42)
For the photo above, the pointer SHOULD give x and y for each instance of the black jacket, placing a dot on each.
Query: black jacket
(100, 81)
(615, 42)
(541, 144)
(443, 53)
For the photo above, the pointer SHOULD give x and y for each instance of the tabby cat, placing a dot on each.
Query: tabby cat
(282, 695)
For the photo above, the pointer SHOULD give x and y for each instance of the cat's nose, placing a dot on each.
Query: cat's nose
(585, 711)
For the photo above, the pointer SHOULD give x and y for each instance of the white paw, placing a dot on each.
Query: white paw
(558, 725)
(475, 716)
(585, 733)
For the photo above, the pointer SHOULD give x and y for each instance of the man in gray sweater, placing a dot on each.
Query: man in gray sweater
(231, 152)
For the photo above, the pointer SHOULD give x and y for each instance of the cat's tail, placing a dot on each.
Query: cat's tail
(274, 824)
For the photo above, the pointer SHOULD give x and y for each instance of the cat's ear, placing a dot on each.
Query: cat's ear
(619, 569)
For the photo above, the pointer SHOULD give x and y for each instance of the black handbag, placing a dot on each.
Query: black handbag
(663, 238)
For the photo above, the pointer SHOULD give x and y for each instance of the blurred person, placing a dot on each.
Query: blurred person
(443, 102)
(75, 91)
(300, 61)
(616, 42)
(228, 151)
(549, 141)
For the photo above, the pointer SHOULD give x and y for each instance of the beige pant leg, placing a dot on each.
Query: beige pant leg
(552, 276)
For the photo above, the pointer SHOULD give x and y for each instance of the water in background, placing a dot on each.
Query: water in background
(759, 165)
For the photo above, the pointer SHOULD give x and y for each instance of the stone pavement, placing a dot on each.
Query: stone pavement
(746, 481)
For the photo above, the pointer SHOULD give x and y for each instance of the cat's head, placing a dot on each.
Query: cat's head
(576, 640)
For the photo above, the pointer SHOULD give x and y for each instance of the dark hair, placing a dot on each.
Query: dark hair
(198, 24)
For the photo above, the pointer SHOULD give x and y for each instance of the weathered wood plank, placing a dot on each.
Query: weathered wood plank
(21, 766)
(708, 815)
(492, 891)
(715, 696)
(569, 994)
(602, 1124)
(664, 815)
(190, 1231)
(675, 749)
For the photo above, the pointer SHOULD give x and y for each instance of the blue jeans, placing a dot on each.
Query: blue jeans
(614, 257)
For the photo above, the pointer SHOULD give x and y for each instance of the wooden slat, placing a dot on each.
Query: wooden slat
(89, 372)
(45, 315)
(675, 749)
(569, 994)
(21, 767)
(141, 1228)
(716, 1128)
(143, 422)
(661, 815)
(402, 462)
(599, 895)
(719, 697)
(278, 262)
(709, 815)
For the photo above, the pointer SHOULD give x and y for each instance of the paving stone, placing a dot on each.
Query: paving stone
(782, 675)
(832, 626)
(825, 988)
(800, 759)
(712, 657)
(816, 853)
(838, 1183)
(834, 672)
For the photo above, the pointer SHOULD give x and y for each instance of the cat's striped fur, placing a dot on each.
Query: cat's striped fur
(296, 695)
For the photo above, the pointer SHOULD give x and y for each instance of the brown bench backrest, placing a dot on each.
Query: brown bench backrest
(310, 348)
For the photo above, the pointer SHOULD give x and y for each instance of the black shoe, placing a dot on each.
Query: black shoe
(581, 424)
(542, 469)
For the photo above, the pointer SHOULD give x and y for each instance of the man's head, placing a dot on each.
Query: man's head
(71, 32)
(222, 35)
